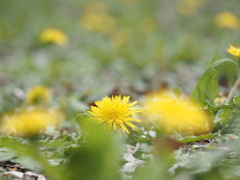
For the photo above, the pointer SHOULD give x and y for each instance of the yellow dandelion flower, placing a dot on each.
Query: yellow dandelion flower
(234, 51)
(108, 24)
(174, 114)
(115, 113)
(227, 20)
(38, 95)
(187, 7)
(53, 35)
(101, 22)
(30, 122)
(90, 22)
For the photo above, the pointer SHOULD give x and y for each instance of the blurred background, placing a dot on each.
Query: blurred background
(89, 49)
(85, 50)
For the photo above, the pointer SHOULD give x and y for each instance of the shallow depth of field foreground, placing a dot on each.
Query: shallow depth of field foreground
(120, 90)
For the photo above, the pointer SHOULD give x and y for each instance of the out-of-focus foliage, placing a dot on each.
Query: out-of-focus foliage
(59, 58)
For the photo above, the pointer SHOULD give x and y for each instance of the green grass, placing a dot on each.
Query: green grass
(174, 55)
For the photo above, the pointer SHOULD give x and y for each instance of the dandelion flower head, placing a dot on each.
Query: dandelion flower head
(96, 18)
(174, 114)
(116, 113)
(187, 7)
(102, 22)
(30, 122)
(234, 51)
(53, 35)
(227, 20)
(38, 95)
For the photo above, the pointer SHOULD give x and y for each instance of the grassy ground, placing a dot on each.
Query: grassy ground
(81, 51)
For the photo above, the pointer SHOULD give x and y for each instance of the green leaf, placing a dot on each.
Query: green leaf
(225, 114)
(152, 170)
(98, 159)
(202, 84)
(201, 96)
(212, 61)
(57, 142)
(29, 163)
(189, 139)
(31, 151)
(211, 86)
(222, 118)
(236, 100)
(214, 108)
(4, 156)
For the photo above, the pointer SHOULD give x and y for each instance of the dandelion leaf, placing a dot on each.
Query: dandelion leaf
(96, 160)
(208, 76)
(211, 86)
(236, 101)
(227, 116)
(22, 150)
(4, 156)
(200, 95)
(189, 139)
(155, 171)
(222, 119)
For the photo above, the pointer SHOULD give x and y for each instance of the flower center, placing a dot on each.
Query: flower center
(113, 114)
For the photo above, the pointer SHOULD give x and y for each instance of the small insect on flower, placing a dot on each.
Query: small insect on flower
(115, 113)
(53, 35)
(234, 51)
(38, 95)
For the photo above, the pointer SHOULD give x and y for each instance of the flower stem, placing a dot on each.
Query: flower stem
(232, 90)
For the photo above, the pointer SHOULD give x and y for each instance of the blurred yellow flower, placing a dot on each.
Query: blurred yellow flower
(38, 95)
(101, 22)
(95, 7)
(115, 113)
(120, 37)
(53, 35)
(174, 114)
(30, 122)
(219, 101)
(234, 51)
(96, 18)
(91, 22)
(187, 7)
(227, 20)
(148, 25)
